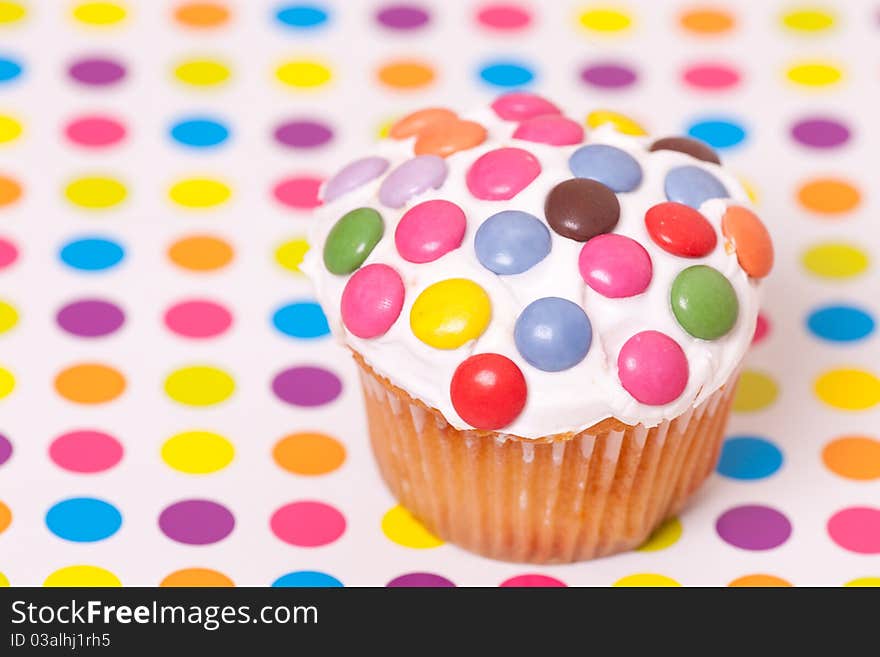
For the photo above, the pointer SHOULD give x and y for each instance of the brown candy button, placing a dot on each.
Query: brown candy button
(581, 208)
(686, 145)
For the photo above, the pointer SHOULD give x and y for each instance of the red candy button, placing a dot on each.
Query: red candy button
(518, 106)
(553, 129)
(680, 230)
(488, 391)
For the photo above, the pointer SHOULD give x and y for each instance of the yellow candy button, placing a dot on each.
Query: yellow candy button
(450, 313)
(621, 122)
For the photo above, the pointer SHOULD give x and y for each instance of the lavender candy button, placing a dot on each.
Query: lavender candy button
(412, 178)
(354, 175)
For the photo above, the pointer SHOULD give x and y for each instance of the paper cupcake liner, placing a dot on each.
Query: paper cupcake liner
(563, 498)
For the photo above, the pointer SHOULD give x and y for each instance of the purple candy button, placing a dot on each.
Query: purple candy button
(820, 133)
(196, 522)
(354, 175)
(90, 318)
(303, 134)
(609, 76)
(5, 449)
(97, 71)
(412, 178)
(403, 17)
(753, 527)
(417, 580)
(306, 386)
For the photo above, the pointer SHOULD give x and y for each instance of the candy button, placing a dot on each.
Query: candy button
(430, 230)
(450, 138)
(372, 300)
(608, 165)
(488, 391)
(620, 122)
(412, 178)
(680, 230)
(501, 174)
(511, 242)
(352, 240)
(688, 146)
(581, 208)
(551, 129)
(414, 124)
(519, 106)
(749, 238)
(450, 313)
(352, 176)
(653, 368)
(615, 266)
(553, 334)
(704, 302)
(692, 186)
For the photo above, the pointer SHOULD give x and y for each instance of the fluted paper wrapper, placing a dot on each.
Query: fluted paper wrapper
(567, 497)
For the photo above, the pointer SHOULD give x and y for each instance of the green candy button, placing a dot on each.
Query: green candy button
(704, 302)
(352, 239)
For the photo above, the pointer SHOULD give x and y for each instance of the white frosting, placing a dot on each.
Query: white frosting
(573, 399)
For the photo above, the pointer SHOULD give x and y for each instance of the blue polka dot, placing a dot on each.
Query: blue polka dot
(840, 323)
(91, 254)
(749, 457)
(301, 16)
(301, 319)
(506, 74)
(9, 69)
(199, 132)
(83, 519)
(305, 579)
(718, 133)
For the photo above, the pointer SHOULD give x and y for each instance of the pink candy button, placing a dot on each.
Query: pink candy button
(430, 230)
(518, 106)
(501, 174)
(372, 300)
(553, 129)
(615, 266)
(652, 368)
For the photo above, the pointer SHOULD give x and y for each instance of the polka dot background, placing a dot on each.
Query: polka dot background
(172, 409)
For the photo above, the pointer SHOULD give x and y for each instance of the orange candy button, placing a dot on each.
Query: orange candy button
(415, 123)
(750, 239)
(439, 132)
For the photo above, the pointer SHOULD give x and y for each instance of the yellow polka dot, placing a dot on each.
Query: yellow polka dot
(808, 20)
(10, 129)
(848, 389)
(290, 254)
(754, 392)
(3, 580)
(99, 13)
(202, 72)
(751, 190)
(646, 579)
(814, 74)
(835, 260)
(95, 193)
(666, 535)
(199, 193)
(303, 73)
(10, 12)
(402, 528)
(7, 383)
(197, 452)
(450, 313)
(605, 19)
(384, 129)
(8, 317)
(621, 122)
(864, 581)
(199, 386)
(82, 576)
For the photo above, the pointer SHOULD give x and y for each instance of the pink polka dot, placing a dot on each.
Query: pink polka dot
(531, 580)
(198, 319)
(504, 16)
(307, 524)
(299, 192)
(856, 529)
(95, 131)
(762, 328)
(86, 451)
(711, 77)
(8, 253)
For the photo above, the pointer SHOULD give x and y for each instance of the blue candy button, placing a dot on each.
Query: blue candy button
(553, 334)
(692, 186)
(510, 242)
(608, 165)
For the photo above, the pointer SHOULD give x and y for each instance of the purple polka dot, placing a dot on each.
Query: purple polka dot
(97, 71)
(5, 449)
(306, 386)
(403, 17)
(90, 318)
(753, 527)
(609, 76)
(820, 132)
(420, 580)
(196, 522)
(303, 134)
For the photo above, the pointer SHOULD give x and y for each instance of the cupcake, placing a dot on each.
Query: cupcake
(548, 324)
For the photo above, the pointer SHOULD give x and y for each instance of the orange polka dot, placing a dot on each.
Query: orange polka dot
(309, 453)
(853, 457)
(201, 253)
(707, 21)
(202, 577)
(10, 191)
(828, 196)
(202, 14)
(5, 517)
(760, 580)
(406, 74)
(90, 383)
